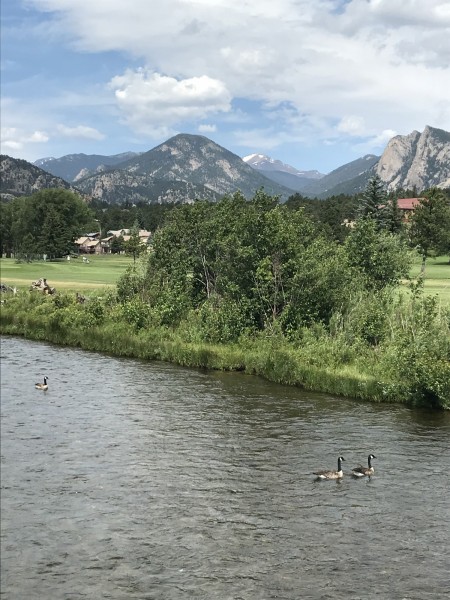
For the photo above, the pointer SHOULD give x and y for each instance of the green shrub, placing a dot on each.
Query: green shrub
(94, 312)
(222, 321)
(136, 312)
(131, 283)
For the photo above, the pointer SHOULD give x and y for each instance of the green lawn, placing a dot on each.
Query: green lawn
(102, 271)
(437, 276)
(105, 270)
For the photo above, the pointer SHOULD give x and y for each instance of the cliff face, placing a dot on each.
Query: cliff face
(420, 160)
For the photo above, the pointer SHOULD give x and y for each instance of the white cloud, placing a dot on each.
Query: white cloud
(13, 138)
(351, 124)
(376, 143)
(205, 128)
(80, 131)
(148, 99)
(38, 136)
(327, 70)
(325, 61)
(10, 144)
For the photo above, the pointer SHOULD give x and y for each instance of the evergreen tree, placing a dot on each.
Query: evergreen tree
(27, 250)
(54, 218)
(133, 246)
(374, 202)
(393, 216)
(117, 244)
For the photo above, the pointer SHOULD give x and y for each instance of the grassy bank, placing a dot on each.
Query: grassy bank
(278, 363)
(75, 275)
(402, 371)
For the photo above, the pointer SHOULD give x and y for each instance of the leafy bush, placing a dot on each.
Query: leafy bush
(418, 350)
(131, 283)
(222, 321)
(136, 312)
(94, 313)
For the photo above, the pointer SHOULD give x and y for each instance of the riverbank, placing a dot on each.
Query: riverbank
(321, 362)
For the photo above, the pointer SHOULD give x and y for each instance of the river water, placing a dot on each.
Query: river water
(133, 480)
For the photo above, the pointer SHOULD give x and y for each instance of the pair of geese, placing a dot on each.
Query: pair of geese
(356, 472)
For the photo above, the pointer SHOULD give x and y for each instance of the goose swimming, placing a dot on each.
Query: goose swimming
(332, 474)
(365, 471)
(42, 386)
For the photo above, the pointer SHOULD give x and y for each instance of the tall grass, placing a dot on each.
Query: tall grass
(410, 364)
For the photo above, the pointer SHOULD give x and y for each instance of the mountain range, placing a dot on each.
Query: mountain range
(76, 166)
(21, 178)
(187, 167)
(415, 161)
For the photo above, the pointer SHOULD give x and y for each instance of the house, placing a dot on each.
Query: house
(144, 236)
(89, 245)
(407, 205)
(125, 234)
(117, 232)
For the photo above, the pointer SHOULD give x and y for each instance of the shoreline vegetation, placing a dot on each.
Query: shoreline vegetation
(325, 362)
(272, 359)
(259, 287)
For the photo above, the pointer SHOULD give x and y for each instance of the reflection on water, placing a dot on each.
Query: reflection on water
(144, 480)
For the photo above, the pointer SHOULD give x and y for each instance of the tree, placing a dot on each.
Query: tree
(133, 246)
(6, 240)
(393, 216)
(53, 218)
(430, 224)
(381, 257)
(373, 202)
(254, 262)
(117, 244)
(27, 250)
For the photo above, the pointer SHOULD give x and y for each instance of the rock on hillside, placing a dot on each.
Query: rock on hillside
(118, 186)
(72, 167)
(417, 160)
(21, 178)
(200, 161)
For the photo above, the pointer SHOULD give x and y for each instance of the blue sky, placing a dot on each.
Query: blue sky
(314, 83)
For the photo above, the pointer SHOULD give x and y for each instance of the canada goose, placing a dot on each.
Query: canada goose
(365, 471)
(42, 386)
(332, 474)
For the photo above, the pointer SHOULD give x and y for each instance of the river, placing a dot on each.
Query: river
(144, 480)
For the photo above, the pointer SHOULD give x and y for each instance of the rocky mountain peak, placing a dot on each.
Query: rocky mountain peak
(264, 163)
(417, 160)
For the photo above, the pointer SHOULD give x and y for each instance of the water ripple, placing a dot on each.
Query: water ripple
(144, 480)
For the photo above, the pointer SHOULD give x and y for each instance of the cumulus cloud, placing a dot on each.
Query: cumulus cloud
(351, 124)
(13, 138)
(375, 143)
(347, 69)
(308, 53)
(80, 131)
(205, 128)
(148, 99)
